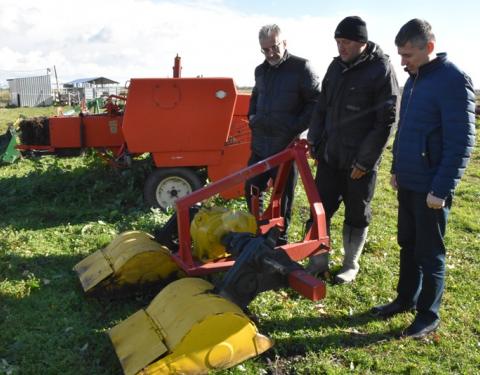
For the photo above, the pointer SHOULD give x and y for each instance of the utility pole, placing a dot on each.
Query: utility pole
(56, 79)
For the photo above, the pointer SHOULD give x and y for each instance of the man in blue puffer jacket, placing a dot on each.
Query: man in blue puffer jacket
(434, 140)
(282, 101)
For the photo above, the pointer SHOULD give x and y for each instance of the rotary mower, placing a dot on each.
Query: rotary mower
(194, 326)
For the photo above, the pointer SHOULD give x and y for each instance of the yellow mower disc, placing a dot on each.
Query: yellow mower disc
(186, 329)
(133, 258)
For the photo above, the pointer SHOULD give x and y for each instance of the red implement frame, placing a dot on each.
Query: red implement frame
(316, 239)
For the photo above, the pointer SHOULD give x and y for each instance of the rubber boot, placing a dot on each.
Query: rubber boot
(353, 242)
(318, 264)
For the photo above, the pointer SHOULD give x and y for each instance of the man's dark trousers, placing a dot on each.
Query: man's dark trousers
(336, 186)
(421, 232)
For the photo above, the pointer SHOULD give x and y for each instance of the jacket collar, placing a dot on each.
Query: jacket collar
(438, 61)
(285, 57)
(371, 51)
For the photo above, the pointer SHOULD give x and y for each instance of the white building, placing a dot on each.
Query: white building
(31, 91)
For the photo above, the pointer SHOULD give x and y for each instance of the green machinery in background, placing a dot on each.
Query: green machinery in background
(8, 141)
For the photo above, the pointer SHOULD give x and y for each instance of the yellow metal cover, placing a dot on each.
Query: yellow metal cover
(209, 226)
(220, 341)
(93, 269)
(137, 342)
(131, 258)
(200, 331)
(184, 303)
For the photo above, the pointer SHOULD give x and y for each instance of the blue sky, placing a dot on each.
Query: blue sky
(407, 9)
(122, 39)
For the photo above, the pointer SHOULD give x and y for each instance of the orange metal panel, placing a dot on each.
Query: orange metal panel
(64, 132)
(234, 158)
(98, 131)
(103, 131)
(178, 114)
(242, 104)
(239, 130)
(186, 159)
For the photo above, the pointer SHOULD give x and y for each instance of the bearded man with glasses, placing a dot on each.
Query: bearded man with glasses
(282, 101)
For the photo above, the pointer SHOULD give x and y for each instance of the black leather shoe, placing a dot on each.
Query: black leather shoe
(421, 328)
(390, 309)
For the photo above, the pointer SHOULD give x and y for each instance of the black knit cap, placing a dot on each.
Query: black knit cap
(352, 28)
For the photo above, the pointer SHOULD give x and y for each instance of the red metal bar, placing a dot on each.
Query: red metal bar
(274, 209)
(200, 269)
(319, 227)
(307, 285)
(255, 201)
(301, 250)
(35, 148)
(124, 98)
(185, 243)
(177, 67)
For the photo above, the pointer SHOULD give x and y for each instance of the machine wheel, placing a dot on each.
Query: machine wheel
(165, 185)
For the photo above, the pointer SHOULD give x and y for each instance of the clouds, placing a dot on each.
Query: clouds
(140, 38)
(123, 39)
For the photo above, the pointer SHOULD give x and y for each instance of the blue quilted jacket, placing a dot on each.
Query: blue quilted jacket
(436, 131)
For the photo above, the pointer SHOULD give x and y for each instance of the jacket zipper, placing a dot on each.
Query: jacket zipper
(406, 111)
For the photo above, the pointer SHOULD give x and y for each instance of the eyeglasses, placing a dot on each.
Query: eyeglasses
(275, 48)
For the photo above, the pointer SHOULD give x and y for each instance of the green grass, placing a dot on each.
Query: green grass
(56, 211)
(10, 115)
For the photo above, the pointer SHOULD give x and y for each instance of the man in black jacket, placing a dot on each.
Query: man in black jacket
(281, 106)
(348, 133)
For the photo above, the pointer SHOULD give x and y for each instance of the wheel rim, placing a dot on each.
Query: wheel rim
(170, 189)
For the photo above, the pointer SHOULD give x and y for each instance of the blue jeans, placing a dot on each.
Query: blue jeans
(421, 232)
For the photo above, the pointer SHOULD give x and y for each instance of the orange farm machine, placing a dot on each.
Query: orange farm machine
(194, 129)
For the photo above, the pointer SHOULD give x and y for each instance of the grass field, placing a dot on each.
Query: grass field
(54, 212)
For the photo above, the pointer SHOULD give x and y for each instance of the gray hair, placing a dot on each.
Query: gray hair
(269, 30)
(418, 32)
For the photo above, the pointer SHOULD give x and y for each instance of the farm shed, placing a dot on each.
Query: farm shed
(30, 91)
(92, 88)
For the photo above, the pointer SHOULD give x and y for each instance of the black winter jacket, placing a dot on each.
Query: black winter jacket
(356, 111)
(281, 104)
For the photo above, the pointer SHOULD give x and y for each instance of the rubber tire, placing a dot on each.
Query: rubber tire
(184, 176)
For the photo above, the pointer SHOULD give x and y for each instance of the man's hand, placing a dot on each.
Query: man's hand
(435, 202)
(393, 182)
(357, 173)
